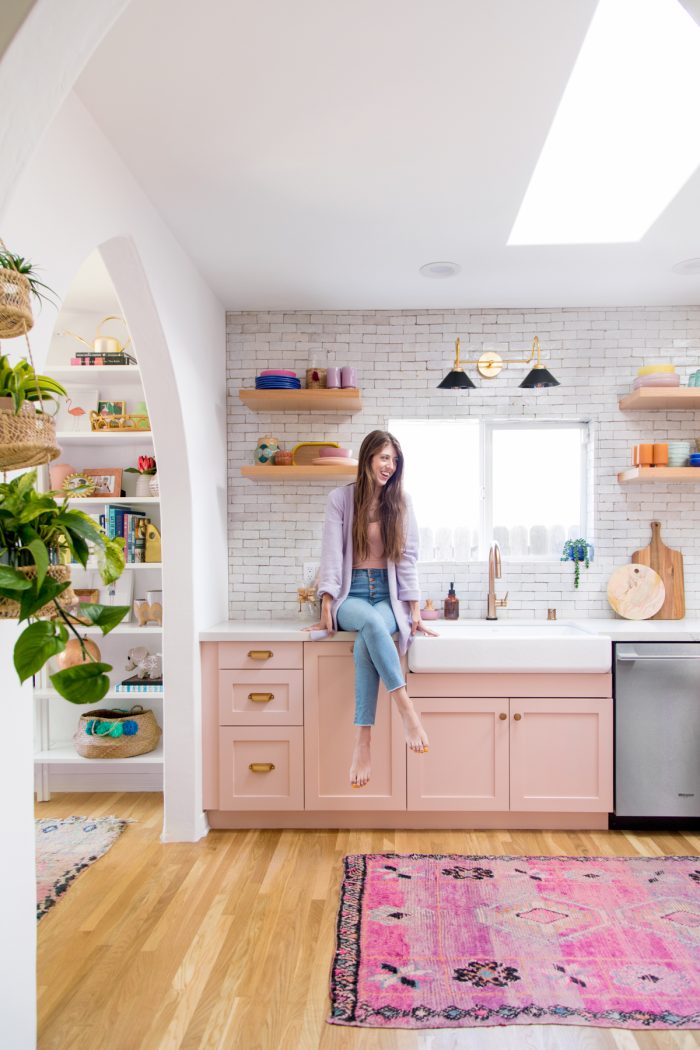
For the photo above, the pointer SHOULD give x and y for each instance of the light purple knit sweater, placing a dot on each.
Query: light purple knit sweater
(337, 557)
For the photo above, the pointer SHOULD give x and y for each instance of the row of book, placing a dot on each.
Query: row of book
(129, 524)
(90, 357)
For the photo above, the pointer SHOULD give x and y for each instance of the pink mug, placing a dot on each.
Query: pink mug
(333, 378)
(348, 376)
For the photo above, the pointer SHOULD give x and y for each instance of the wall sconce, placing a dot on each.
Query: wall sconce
(490, 364)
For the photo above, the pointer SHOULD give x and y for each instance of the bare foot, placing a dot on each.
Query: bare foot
(416, 736)
(360, 768)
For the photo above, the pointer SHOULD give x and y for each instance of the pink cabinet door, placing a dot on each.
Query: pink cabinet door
(329, 692)
(261, 767)
(466, 767)
(561, 755)
(249, 698)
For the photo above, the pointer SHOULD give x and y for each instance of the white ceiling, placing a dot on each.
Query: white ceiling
(315, 154)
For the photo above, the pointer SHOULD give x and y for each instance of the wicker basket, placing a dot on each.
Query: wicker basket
(15, 304)
(9, 609)
(117, 734)
(27, 437)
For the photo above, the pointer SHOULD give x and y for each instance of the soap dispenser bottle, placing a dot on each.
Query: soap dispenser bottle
(451, 604)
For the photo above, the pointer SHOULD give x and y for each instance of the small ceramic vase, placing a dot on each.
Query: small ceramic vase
(153, 486)
(143, 482)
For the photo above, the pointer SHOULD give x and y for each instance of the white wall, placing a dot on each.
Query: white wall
(401, 356)
(76, 195)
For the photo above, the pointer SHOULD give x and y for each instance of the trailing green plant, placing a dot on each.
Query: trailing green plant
(40, 291)
(37, 530)
(577, 551)
(22, 383)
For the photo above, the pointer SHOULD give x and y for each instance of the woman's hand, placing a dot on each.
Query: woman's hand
(419, 626)
(326, 621)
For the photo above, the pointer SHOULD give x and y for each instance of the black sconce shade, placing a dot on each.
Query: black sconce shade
(456, 380)
(539, 377)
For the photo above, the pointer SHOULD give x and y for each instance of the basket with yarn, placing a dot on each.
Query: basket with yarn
(116, 733)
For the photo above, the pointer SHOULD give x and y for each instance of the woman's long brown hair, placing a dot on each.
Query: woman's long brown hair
(392, 506)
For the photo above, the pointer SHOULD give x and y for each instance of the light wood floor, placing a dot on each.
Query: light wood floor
(226, 943)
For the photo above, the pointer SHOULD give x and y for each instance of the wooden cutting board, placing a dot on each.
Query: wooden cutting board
(669, 565)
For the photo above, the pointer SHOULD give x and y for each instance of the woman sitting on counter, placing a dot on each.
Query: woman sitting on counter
(368, 583)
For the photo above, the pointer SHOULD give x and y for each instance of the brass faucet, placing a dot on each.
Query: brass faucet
(492, 602)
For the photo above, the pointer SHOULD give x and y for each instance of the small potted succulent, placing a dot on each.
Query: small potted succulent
(577, 551)
(147, 481)
(38, 537)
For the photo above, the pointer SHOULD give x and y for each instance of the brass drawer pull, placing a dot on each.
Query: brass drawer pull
(503, 716)
(259, 654)
(261, 767)
(517, 717)
(261, 698)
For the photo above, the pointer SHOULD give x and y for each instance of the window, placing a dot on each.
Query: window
(523, 484)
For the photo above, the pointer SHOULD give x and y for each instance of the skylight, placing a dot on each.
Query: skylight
(624, 139)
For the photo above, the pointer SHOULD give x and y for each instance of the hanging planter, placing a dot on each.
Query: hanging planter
(577, 551)
(10, 609)
(15, 304)
(27, 432)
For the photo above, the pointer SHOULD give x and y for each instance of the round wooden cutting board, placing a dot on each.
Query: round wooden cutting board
(636, 592)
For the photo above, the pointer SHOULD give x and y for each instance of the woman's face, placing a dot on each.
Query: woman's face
(383, 464)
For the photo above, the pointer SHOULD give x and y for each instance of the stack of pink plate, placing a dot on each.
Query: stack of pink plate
(658, 379)
(334, 457)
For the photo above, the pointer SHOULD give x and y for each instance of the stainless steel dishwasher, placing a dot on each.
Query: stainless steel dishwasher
(657, 729)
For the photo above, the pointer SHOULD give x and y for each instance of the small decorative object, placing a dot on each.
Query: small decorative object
(283, 458)
(58, 472)
(146, 469)
(154, 486)
(148, 613)
(266, 448)
(102, 345)
(315, 378)
(111, 408)
(108, 480)
(100, 421)
(75, 653)
(116, 733)
(153, 544)
(74, 412)
(429, 612)
(18, 282)
(78, 484)
(308, 601)
(577, 551)
(87, 595)
(148, 666)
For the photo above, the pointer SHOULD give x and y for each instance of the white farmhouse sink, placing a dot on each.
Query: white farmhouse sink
(480, 645)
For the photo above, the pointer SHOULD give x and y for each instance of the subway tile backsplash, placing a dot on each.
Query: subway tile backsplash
(401, 356)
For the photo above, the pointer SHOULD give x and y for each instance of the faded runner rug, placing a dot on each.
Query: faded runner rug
(468, 941)
(65, 847)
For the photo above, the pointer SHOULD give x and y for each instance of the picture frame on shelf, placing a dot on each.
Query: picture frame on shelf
(77, 484)
(108, 480)
(74, 411)
(120, 592)
(111, 408)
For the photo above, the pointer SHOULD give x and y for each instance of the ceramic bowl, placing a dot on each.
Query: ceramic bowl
(345, 453)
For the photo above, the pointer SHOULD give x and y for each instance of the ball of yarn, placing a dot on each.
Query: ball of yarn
(130, 727)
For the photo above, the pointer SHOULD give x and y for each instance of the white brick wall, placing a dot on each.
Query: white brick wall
(401, 356)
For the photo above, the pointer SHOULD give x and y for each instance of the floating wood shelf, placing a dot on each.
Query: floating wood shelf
(347, 401)
(294, 474)
(659, 474)
(662, 397)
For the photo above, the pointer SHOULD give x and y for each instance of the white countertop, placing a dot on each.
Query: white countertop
(686, 630)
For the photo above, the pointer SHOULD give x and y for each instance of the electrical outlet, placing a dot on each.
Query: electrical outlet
(309, 572)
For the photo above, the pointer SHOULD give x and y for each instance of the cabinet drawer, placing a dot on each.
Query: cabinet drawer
(249, 698)
(261, 768)
(253, 656)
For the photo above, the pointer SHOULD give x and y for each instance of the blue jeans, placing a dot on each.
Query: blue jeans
(367, 610)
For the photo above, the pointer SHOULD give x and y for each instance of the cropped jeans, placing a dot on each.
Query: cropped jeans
(367, 610)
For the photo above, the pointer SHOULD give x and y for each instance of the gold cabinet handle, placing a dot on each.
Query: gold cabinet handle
(261, 698)
(261, 767)
(517, 718)
(259, 654)
(503, 716)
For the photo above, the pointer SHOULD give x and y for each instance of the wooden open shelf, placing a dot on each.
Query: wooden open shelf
(347, 401)
(659, 474)
(310, 473)
(662, 397)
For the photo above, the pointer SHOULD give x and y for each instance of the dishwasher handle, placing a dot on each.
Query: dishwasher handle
(624, 659)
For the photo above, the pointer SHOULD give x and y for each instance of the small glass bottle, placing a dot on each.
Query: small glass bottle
(451, 604)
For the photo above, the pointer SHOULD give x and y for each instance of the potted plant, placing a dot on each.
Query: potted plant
(27, 432)
(577, 551)
(18, 284)
(147, 471)
(38, 534)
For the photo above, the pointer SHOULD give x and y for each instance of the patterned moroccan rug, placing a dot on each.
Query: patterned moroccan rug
(452, 941)
(65, 847)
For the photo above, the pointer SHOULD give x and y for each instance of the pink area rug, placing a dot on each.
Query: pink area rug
(451, 941)
(65, 847)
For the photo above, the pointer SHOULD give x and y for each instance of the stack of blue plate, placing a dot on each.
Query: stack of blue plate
(277, 380)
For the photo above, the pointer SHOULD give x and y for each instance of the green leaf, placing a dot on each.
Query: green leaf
(84, 684)
(12, 580)
(110, 559)
(41, 559)
(32, 601)
(104, 616)
(36, 644)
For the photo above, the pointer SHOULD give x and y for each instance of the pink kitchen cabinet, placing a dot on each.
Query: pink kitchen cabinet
(261, 767)
(329, 690)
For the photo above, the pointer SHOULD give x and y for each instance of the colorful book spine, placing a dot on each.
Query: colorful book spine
(138, 689)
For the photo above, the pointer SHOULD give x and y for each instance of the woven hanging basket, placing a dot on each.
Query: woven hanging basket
(9, 609)
(27, 438)
(15, 304)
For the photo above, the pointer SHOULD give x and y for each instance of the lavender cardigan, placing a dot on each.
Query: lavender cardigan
(337, 557)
